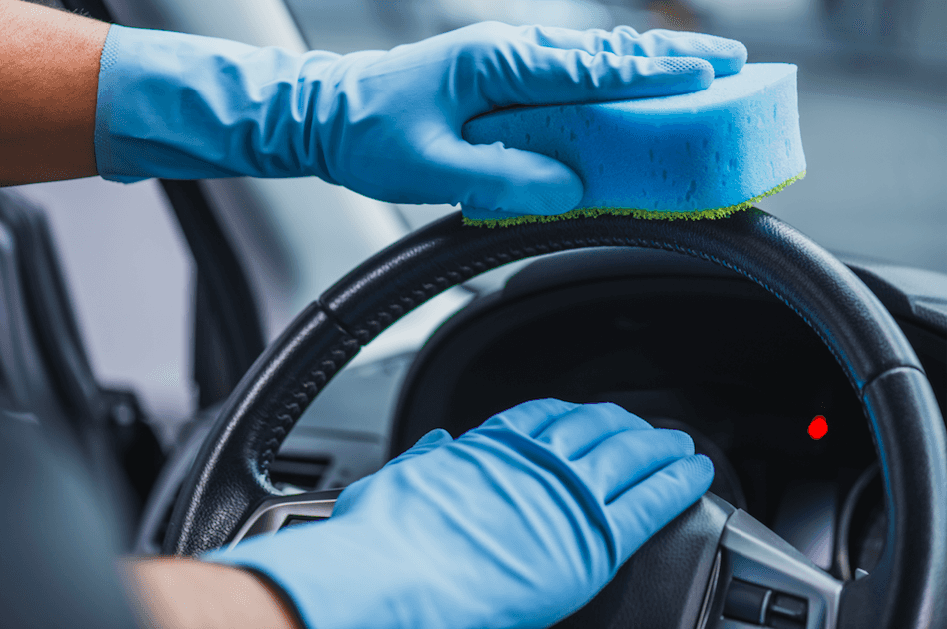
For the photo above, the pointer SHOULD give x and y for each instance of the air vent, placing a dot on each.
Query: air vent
(290, 473)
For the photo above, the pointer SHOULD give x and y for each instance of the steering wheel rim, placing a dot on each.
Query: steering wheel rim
(230, 475)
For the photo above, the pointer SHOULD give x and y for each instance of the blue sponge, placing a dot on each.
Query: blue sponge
(703, 154)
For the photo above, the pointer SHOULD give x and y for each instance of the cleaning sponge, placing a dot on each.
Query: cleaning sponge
(703, 154)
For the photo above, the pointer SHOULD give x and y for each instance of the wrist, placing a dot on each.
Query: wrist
(341, 574)
(184, 593)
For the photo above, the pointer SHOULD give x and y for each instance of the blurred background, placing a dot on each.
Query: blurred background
(873, 108)
(872, 90)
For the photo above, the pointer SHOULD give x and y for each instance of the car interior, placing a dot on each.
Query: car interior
(814, 378)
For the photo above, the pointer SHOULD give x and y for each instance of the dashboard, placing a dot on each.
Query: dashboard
(688, 345)
(681, 342)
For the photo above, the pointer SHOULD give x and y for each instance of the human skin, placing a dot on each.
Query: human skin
(186, 593)
(49, 69)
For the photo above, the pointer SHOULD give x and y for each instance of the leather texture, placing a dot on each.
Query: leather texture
(906, 588)
(800, 273)
(230, 475)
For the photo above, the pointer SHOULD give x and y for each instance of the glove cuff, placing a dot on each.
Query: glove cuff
(184, 106)
(339, 576)
(104, 160)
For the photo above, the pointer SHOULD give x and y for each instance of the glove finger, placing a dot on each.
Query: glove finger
(538, 75)
(580, 430)
(622, 460)
(491, 177)
(432, 440)
(645, 508)
(727, 56)
(531, 417)
(592, 41)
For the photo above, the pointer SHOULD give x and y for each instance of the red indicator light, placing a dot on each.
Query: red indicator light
(818, 427)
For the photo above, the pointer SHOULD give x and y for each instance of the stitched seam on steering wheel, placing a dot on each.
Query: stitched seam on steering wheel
(295, 401)
(884, 373)
(373, 326)
(331, 315)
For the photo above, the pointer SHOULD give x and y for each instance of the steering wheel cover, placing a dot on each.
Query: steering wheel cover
(231, 472)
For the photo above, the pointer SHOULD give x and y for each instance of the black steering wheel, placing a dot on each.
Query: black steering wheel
(714, 566)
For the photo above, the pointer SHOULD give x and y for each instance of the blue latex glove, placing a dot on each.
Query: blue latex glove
(385, 124)
(516, 523)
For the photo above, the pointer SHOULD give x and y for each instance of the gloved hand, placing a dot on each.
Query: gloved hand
(516, 523)
(385, 124)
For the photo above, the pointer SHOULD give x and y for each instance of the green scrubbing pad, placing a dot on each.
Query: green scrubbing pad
(689, 156)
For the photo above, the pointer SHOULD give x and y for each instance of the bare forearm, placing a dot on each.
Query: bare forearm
(186, 593)
(49, 66)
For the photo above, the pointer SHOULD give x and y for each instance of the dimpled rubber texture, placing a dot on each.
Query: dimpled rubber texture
(699, 155)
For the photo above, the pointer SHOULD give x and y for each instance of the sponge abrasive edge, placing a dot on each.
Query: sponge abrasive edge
(699, 155)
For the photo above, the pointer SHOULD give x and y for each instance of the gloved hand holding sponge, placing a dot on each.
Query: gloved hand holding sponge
(386, 124)
(516, 523)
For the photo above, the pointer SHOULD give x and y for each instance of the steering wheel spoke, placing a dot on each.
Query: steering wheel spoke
(768, 583)
(279, 512)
